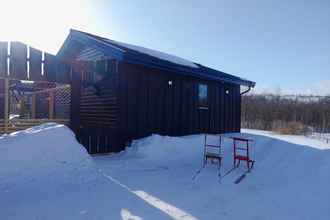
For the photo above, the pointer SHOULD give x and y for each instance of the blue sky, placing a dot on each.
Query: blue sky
(282, 45)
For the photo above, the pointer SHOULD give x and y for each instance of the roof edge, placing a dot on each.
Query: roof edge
(107, 48)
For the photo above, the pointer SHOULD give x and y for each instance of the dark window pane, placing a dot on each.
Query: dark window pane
(202, 95)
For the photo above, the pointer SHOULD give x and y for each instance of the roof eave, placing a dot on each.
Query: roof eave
(106, 49)
(110, 50)
(184, 71)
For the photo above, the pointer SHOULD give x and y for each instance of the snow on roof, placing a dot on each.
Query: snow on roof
(107, 48)
(155, 53)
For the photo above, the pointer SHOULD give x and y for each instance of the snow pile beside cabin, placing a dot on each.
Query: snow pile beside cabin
(40, 148)
(40, 168)
(290, 179)
(46, 174)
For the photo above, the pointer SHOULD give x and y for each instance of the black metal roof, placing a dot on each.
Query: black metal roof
(101, 48)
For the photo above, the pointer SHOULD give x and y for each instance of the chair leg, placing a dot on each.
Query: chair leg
(236, 163)
(219, 174)
(252, 163)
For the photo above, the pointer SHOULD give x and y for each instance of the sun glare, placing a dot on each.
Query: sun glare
(41, 23)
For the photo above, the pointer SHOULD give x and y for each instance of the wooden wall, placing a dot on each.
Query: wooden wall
(148, 104)
(2, 99)
(99, 110)
(99, 107)
(134, 101)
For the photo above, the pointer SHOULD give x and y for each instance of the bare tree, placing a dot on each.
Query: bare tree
(266, 111)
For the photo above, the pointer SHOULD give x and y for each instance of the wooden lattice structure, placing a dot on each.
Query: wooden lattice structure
(34, 88)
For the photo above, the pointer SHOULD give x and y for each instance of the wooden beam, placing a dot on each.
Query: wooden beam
(33, 107)
(51, 105)
(6, 105)
(75, 97)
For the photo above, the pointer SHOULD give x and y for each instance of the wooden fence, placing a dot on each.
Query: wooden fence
(21, 62)
(2, 126)
(21, 124)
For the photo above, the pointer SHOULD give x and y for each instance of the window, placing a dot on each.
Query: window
(202, 95)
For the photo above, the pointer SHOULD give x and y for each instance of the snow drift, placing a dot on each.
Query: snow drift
(290, 179)
(40, 168)
(39, 150)
(46, 174)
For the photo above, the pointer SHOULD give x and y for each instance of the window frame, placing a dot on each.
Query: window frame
(203, 96)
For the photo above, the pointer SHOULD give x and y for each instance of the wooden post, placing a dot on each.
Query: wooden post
(33, 107)
(75, 98)
(51, 105)
(22, 108)
(6, 107)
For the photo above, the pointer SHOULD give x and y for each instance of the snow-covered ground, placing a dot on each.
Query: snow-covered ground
(320, 136)
(46, 174)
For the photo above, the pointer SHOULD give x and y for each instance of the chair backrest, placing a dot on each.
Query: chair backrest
(241, 146)
(215, 148)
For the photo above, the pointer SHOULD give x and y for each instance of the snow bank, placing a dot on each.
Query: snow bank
(166, 151)
(41, 149)
(46, 174)
(290, 179)
(40, 169)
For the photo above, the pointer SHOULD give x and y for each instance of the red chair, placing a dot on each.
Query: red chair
(242, 153)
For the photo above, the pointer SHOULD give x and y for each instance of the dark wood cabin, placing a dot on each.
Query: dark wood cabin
(121, 92)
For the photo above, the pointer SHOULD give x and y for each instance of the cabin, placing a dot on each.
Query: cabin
(121, 92)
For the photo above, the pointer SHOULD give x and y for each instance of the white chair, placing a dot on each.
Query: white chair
(213, 152)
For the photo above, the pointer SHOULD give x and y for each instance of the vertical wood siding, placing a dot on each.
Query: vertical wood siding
(18, 60)
(26, 63)
(136, 101)
(35, 65)
(3, 58)
(2, 99)
(98, 112)
(148, 104)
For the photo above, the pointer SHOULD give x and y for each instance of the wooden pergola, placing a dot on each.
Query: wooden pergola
(30, 72)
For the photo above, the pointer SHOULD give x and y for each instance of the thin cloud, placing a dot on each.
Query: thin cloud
(320, 88)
